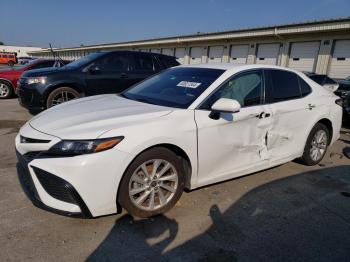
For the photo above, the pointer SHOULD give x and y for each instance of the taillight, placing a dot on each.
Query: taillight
(339, 102)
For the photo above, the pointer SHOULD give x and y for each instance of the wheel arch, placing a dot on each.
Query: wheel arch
(7, 81)
(175, 149)
(50, 89)
(329, 125)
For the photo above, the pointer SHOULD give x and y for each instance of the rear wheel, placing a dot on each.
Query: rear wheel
(61, 95)
(316, 145)
(6, 90)
(153, 183)
(10, 63)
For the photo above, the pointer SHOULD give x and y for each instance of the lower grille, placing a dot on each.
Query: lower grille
(55, 186)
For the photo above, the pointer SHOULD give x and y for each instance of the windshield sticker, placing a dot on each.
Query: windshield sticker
(189, 84)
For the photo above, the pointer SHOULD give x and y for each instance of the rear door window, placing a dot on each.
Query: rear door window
(305, 89)
(144, 63)
(284, 85)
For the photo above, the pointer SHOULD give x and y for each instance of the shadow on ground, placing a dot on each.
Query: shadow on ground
(298, 218)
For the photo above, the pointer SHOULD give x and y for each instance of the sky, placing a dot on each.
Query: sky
(66, 23)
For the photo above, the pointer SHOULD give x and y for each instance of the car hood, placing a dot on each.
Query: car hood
(88, 118)
(11, 71)
(43, 71)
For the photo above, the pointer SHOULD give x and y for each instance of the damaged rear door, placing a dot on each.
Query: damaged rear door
(235, 142)
(293, 109)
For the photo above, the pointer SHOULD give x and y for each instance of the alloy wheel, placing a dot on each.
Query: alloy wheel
(4, 90)
(153, 184)
(62, 97)
(318, 145)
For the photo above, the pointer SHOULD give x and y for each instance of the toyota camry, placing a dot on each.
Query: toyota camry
(186, 127)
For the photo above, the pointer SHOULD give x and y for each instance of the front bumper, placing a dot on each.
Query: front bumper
(80, 186)
(29, 97)
(67, 189)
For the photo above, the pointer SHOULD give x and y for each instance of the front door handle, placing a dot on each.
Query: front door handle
(123, 75)
(311, 106)
(263, 115)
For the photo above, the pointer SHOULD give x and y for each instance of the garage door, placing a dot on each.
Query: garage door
(268, 54)
(340, 63)
(168, 51)
(144, 50)
(196, 55)
(180, 55)
(155, 50)
(215, 54)
(239, 54)
(303, 56)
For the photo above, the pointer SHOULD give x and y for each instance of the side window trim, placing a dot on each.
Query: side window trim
(262, 98)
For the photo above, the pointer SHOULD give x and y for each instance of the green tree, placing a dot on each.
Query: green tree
(2, 43)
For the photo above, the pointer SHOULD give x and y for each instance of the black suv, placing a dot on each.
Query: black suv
(94, 74)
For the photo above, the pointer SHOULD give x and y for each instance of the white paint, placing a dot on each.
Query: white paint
(340, 62)
(267, 54)
(239, 54)
(303, 56)
(236, 144)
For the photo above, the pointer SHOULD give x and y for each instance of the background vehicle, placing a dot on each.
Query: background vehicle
(188, 126)
(98, 73)
(324, 81)
(344, 92)
(8, 58)
(10, 76)
(22, 60)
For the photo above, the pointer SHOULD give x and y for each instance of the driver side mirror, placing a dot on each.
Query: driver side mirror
(224, 105)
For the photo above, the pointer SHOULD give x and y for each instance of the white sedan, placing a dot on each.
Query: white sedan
(186, 127)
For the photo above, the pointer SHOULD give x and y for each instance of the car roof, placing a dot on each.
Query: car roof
(234, 67)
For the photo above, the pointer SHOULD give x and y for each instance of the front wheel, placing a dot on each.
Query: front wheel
(61, 95)
(6, 90)
(153, 183)
(316, 145)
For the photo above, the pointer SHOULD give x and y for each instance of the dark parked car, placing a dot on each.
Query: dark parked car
(344, 92)
(97, 73)
(324, 80)
(10, 76)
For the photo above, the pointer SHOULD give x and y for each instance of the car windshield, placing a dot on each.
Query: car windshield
(347, 78)
(175, 87)
(83, 61)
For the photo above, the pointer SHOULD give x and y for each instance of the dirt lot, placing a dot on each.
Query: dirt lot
(288, 213)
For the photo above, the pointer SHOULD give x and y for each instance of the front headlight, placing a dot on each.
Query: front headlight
(36, 80)
(81, 147)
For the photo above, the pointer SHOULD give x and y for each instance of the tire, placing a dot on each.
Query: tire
(10, 63)
(6, 90)
(158, 188)
(61, 95)
(309, 157)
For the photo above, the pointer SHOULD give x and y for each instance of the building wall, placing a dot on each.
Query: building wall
(259, 43)
(20, 50)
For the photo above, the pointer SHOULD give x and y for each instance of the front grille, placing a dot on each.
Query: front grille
(31, 155)
(55, 186)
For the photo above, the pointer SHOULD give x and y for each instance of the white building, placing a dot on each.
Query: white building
(20, 50)
(320, 46)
